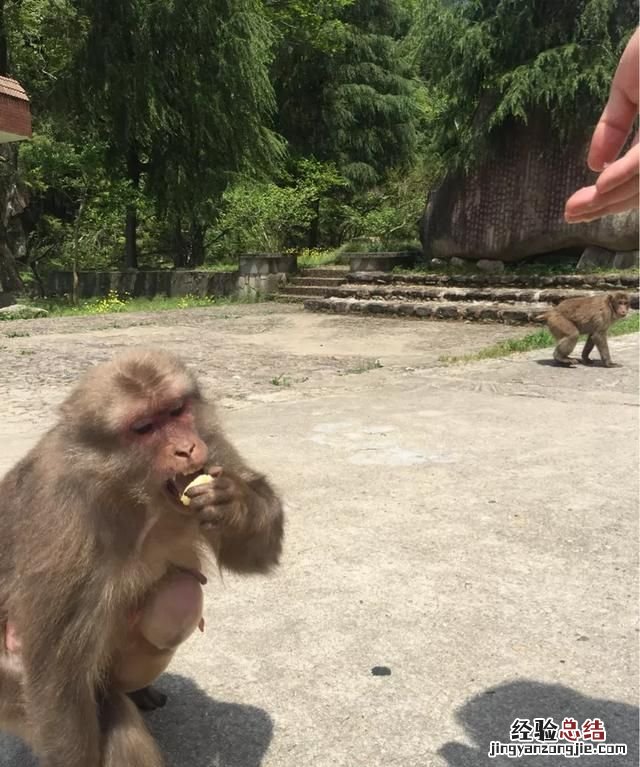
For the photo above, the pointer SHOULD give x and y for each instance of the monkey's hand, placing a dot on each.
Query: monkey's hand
(219, 503)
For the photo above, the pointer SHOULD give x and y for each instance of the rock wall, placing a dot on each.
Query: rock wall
(512, 205)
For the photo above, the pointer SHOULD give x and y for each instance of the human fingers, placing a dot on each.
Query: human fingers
(620, 172)
(621, 109)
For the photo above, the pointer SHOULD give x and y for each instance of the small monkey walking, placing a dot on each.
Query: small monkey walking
(592, 315)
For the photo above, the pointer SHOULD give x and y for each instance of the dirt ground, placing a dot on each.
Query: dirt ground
(244, 352)
(471, 529)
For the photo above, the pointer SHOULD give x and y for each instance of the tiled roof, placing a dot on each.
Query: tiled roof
(9, 87)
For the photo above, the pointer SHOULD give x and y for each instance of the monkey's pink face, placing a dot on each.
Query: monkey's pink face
(171, 441)
(621, 308)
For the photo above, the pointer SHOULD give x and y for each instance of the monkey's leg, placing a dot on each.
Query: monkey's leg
(563, 350)
(148, 698)
(588, 348)
(600, 340)
(125, 737)
(12, 713)
(566, 335)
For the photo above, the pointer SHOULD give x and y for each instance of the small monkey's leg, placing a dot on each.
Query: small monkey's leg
(588, 348)
(566, 334)
(600, 340)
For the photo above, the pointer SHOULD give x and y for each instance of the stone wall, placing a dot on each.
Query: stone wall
(258, 274)
(264, 273)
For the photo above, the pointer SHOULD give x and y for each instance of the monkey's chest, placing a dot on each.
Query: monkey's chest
(172, 540)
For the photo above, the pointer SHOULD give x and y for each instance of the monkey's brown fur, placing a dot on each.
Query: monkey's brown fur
(88, 526)
(592, 315)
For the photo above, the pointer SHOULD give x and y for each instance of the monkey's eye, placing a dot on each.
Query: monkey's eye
(142, 427)
(177, 411)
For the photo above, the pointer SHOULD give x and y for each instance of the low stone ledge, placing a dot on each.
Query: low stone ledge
(580, 281)
(144, 283)
(267, 263)
(381, 262)
(512, 315)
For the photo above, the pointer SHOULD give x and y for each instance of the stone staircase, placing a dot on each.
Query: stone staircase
(513, 299)
(317, 282)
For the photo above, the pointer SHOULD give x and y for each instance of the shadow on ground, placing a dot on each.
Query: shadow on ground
(489, 716)
(193, 730)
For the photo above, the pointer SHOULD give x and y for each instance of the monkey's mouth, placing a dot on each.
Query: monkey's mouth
(176, 486)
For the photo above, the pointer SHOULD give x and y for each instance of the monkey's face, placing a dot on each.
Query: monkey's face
(168, 439)
(620, 303)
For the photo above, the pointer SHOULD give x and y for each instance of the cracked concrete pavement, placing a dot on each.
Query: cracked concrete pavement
(473, 529)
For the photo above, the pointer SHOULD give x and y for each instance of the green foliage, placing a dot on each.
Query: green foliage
(270, 216)
(488, 62)
(115, 303)
(77, 207)
(344, 93)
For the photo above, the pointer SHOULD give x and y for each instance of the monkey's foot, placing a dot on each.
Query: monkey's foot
(565, 362)
(148, 698)
(586, 361)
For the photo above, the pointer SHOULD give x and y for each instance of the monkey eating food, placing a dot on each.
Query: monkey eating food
(592, 315)
(101, 563)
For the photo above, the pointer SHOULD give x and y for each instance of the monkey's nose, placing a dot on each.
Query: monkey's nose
(185, 452)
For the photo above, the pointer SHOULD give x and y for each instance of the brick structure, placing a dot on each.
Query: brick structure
(15, 113)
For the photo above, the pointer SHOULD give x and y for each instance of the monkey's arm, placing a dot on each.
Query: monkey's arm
(242, 520)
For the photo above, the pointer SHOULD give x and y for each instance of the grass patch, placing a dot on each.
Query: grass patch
(281, 380)
(310, 257)
(540, 339)
(364, 368)
(120, 304)
(528, 270)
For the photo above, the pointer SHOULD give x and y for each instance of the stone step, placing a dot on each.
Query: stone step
(512, 314)
(317, 281)
(307, 290)
(290, 298)
(413, 293)
(324, 271)
(598, 281)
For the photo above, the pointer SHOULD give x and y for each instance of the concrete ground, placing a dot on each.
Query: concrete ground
(473, 529)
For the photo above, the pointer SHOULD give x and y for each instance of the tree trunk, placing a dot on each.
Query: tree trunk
(314, 226)
(196, 235)
(12, 202)
(179, 246)
(4, 49)
(131, 225)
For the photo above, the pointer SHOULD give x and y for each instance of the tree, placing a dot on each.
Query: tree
(344, 93)
(489, 62)
(181, 94)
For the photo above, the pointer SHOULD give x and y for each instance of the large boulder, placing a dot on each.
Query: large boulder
(511, 206)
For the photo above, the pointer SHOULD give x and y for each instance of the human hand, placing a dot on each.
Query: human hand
(617, 186)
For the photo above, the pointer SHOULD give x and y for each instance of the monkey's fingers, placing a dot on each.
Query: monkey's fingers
(222, 490)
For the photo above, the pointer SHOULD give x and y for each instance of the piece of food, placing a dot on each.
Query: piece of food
(201, 479)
